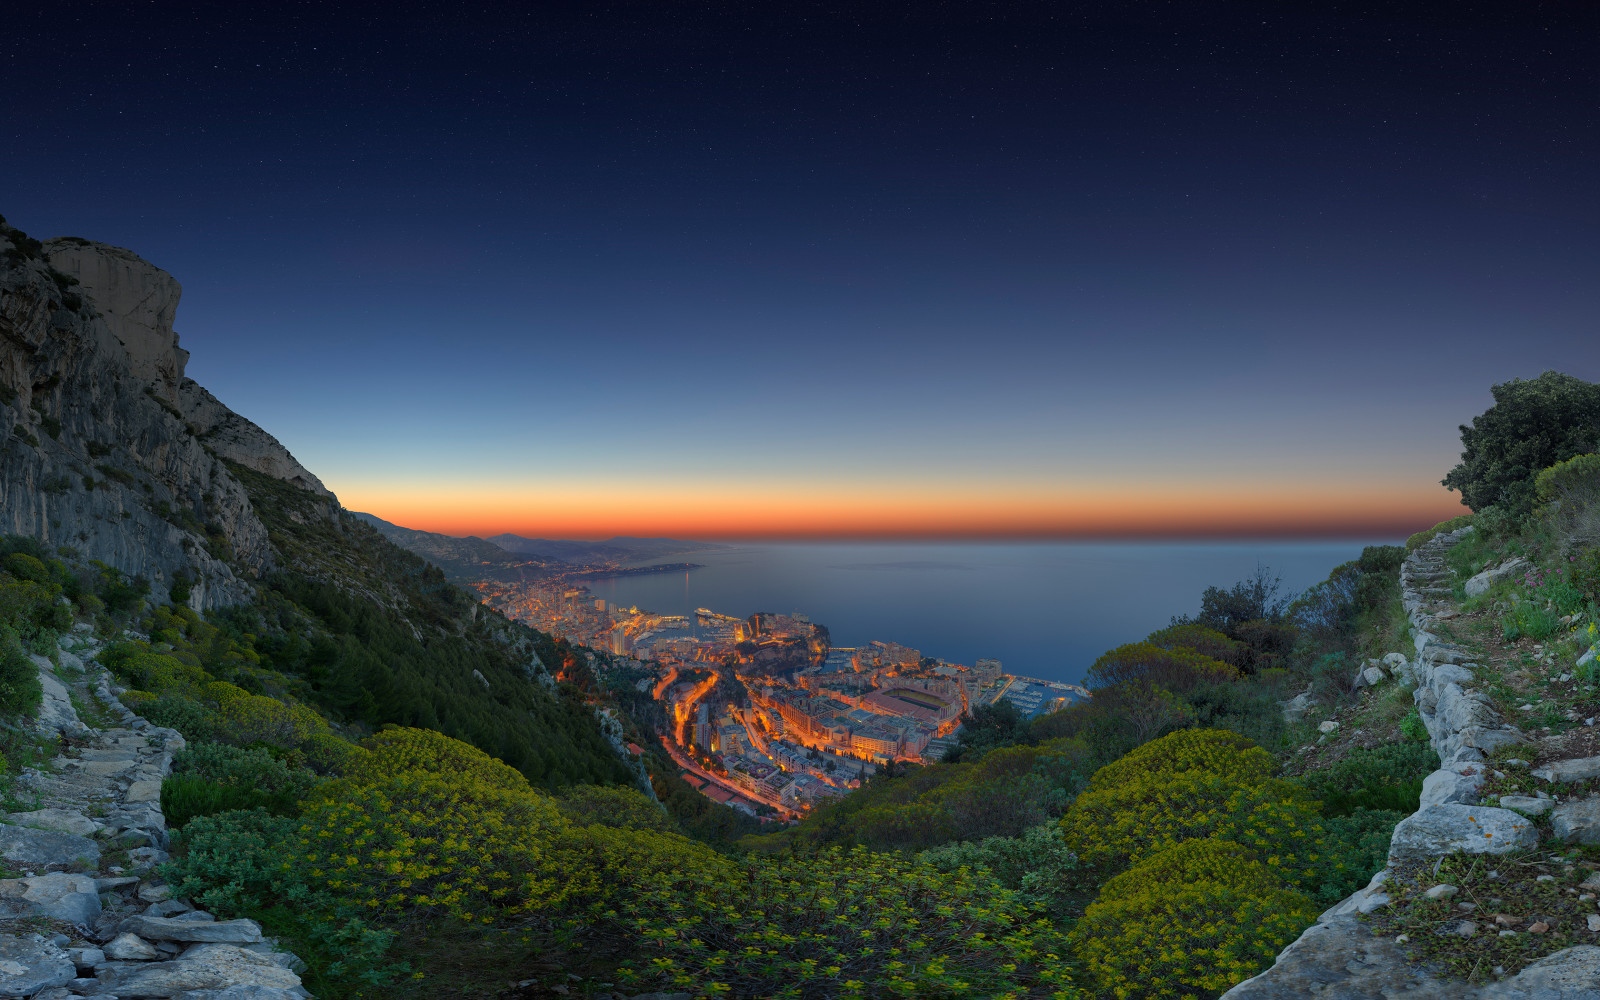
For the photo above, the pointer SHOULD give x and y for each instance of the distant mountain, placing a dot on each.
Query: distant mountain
(622, 549)
(470, 558)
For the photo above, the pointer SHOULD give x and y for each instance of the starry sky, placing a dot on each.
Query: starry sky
(845, 270)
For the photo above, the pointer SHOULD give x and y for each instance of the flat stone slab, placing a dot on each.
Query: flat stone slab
(58, 895)
(29, 964)
(1577, 822)
(143, 791)
(42, 847)
(199, 931)
(1451, 827)
(217, 969)
(1342, 960)
(1526, 804)
(61, 820)
(1569, 974)
(1577, 769)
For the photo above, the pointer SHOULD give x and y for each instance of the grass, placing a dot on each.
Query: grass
(1521, 908)
(22, 749)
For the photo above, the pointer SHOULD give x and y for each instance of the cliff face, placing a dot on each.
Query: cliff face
(105, 447)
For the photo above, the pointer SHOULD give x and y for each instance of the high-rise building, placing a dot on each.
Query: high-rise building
(619, 641)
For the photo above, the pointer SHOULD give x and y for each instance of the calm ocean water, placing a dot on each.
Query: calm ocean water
(1045, 610)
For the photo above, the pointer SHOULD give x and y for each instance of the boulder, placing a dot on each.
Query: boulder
(178, 929)
(1569, 974)
(1577, 822)
(59, 896)
(1342, 960)
(1452, 784)
(60, 820)
(131, 948)
(221, 968)
(143, 791)
(1577, 769)
(1394, 660)
(1450, 827)
(1526, 804)
(1481, 583)
(29, 964)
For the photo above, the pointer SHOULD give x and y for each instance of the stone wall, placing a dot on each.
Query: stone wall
(1338, 958)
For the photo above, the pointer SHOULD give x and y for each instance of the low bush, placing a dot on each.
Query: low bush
(1038, 865)
(1382, 777)
(842, 924)
(415, 844)
(401, 749)
(209, 778)
(1112, 828)
(623, 808)
(19, 678)
(1214, 752)
(1190, 921)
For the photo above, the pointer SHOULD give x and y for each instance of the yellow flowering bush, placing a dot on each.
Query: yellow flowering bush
(1216, 752)
(399, 749)
(840, 924)
(255, 718)
(415, 844)
(1276, 821)
(328, 754)
(1189, 922)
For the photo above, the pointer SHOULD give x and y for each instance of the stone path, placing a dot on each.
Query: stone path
(85, 914)
(1338, 957)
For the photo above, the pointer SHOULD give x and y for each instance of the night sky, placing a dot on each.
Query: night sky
(783, 269)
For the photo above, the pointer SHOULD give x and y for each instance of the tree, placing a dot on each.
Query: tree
(1533, 424)
(988, 726)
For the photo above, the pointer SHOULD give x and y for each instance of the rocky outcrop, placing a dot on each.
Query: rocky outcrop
(138, 302)
(106, 929)
(1338, 958)
(236, 439)
(97, 453)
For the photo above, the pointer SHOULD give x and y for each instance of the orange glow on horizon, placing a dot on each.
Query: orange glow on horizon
(1248, 510)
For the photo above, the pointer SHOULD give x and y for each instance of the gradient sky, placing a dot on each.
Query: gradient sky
(718, 270)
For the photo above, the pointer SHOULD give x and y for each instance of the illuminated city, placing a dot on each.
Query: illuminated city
(764, 714)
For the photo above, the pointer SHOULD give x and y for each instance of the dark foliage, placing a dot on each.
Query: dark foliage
(1533, 424)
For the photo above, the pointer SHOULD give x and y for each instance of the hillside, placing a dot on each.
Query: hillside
(611, 552)
(466, 560)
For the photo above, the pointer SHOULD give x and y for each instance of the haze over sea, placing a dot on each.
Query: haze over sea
(1045, 610)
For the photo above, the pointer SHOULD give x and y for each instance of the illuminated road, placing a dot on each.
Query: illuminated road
(686, 762)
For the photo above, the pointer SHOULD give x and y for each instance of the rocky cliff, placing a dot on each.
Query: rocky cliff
(105, 447)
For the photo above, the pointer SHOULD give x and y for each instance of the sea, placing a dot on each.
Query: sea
(1045, 610)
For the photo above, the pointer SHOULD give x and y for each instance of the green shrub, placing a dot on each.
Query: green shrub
(1199, 639)
(196, 722)
(625, 808)
(1529, 620)
(1382, 777)
(210, 778)
(19, 678)
(1412, 727)
(1193, 920)
(1037, 865)
(1358, 846)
